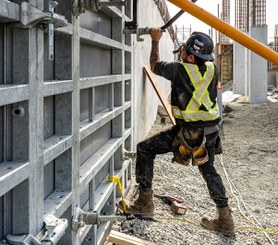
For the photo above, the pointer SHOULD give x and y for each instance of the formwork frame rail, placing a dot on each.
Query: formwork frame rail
(58, 149)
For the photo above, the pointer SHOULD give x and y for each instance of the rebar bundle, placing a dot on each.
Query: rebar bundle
(250, 13)
(258, 12)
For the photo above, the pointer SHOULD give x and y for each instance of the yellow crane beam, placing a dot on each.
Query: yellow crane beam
(228, 30)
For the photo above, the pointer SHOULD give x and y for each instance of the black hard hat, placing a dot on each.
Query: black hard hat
(201, 45)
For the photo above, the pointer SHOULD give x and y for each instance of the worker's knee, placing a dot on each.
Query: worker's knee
(143, 147)
(207, 170)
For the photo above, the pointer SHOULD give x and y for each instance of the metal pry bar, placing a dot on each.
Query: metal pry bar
(146, 30)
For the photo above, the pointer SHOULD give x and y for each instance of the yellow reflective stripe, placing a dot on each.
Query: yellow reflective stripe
(196, 116)
(209, 76)
(200, 94)
(177, 112)
(196, 99)
(203, 93)
(195, 77)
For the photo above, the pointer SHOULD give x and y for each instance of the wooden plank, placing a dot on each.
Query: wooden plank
(160, 93)
(119, 238)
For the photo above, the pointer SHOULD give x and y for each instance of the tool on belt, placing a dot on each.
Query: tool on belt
(175, 203)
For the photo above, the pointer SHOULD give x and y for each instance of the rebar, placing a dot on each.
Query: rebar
(225, 16)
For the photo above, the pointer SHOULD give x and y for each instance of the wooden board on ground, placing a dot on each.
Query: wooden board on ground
(160, 94)
(119, 238)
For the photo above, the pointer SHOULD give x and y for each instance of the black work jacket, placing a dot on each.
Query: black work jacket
(182, 88)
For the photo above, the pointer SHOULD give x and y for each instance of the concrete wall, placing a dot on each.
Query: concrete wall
(145, 99)
(258, 69)
(240, 69)
(250, 70)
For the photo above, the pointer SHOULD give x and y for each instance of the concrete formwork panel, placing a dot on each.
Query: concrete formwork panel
(65, 123)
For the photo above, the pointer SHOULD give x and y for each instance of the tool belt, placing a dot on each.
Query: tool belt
(189, 146)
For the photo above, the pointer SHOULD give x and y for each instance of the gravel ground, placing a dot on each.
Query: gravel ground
(249, 171)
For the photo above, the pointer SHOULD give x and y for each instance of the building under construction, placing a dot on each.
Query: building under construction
(75, 100)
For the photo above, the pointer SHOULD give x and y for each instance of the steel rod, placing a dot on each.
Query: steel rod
(226, 29)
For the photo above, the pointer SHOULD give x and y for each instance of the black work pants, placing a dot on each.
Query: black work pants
(162, 143)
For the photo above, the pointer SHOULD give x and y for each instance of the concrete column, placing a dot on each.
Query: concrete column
(258, 69)
(240, 69)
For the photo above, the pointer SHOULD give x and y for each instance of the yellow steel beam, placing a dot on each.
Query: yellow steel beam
(227, 29)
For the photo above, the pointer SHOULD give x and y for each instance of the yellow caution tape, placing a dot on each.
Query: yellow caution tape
(117, 180)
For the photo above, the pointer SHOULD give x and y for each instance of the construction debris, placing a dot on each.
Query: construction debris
(119, 238)
(250, 156)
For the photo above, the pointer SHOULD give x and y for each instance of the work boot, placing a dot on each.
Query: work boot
(224, 223)
(143, 205)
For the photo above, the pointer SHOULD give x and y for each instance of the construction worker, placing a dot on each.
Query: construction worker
(193, 138)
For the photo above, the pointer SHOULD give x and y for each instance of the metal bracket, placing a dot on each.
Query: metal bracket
(22, 240)
(51, 7)
(129, 155)
(80, 6)
(131, 26)
(101, 4)
(55, 229)
(31, 16)
(83, 218)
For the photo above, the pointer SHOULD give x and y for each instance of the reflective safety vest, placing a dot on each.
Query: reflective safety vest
(192, 112)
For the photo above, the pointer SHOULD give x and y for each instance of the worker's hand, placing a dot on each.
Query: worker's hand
(180, 48)
(156, 34)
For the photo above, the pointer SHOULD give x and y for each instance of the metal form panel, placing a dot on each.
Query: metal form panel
(64, 123)
(258, 12)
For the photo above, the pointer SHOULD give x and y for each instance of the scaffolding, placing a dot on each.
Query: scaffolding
(182, 33)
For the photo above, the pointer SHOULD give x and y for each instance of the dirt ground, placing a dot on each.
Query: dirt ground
(249, 169)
